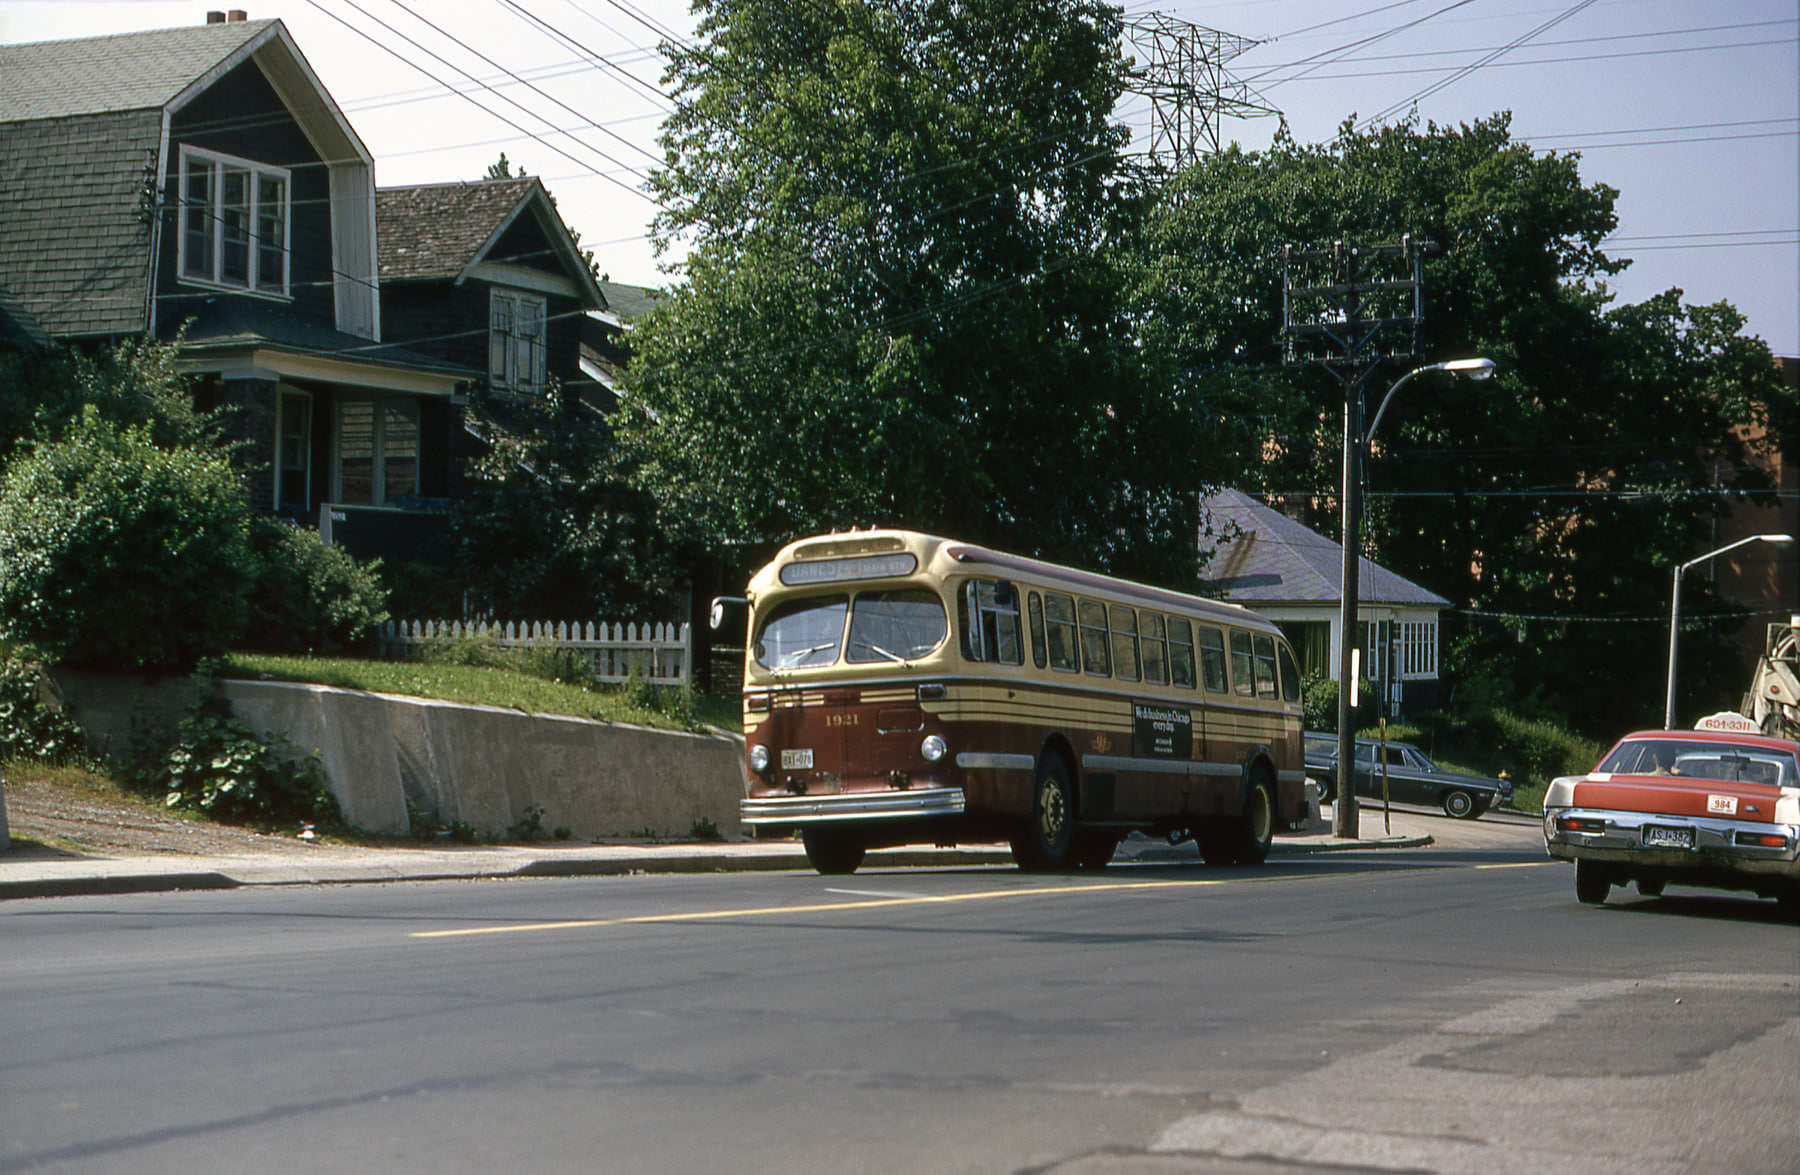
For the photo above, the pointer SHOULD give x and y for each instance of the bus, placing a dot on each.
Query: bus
(903, 688)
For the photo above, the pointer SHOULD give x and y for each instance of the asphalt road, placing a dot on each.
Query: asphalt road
(1449, 1009)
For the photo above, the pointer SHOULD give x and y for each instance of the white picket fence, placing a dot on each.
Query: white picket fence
(656, 653)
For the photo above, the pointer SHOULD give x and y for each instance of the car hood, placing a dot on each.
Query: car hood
(1672, 796)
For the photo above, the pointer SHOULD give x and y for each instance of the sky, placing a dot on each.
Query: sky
(1690, 108)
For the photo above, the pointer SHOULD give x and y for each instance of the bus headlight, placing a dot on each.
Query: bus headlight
(933, 748)
(759, 758)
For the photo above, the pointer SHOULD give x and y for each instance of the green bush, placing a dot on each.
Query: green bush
(1319, 697)
(218, 766)
(29, 729)
(118, 555)
(309, 598)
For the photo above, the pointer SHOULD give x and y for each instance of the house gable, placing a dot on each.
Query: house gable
(88, 167)
(240, 116)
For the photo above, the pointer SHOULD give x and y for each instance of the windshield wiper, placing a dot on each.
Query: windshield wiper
(872, 646)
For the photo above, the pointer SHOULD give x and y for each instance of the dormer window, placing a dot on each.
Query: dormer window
(516, 340)
(234, 223)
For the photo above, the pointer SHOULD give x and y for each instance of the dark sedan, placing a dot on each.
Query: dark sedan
(1411, 777)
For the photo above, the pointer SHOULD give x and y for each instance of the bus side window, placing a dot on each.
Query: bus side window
(1181, 652)
(1290, 673)
(1243, 672)
(1093, 638)
(989, 614)
(1059, 617)
(1036, 611)
(1150, 638)
(1124, 643)
(1212, 660)
(1265, 666)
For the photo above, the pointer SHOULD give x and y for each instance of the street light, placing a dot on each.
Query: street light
(1779, 540)
(1356, 441)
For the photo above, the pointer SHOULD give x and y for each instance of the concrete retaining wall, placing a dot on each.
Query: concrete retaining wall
(482, 766)
(385, 756)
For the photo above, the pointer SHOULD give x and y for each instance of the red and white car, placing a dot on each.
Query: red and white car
(1712, 808)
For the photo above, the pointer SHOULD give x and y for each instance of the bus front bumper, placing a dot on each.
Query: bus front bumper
(852, 806)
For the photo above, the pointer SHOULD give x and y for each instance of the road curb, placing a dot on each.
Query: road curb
(289, 873)
(91, 886)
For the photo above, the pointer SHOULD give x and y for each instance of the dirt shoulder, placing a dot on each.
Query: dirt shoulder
(55, 819)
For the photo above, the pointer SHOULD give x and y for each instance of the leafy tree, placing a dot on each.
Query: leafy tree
(900, 305)
(551, 528)
(1563, 488)
(132, 382)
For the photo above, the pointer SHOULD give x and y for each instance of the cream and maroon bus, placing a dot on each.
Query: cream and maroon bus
(903, 688)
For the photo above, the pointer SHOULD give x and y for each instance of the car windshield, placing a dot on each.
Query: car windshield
(1724, 762)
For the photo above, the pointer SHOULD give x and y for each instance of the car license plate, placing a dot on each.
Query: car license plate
(1668, 838)
(800, 760)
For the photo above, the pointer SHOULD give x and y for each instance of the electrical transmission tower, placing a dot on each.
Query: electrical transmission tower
(1181, 69)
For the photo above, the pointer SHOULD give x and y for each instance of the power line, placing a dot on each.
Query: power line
(1466, 70)
(472, 101)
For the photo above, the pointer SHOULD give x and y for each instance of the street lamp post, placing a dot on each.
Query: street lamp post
(1356, 443)
(1780, 540)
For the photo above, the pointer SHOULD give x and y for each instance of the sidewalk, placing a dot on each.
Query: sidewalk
(38, 873)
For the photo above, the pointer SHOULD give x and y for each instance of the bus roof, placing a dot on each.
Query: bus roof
(944, 557)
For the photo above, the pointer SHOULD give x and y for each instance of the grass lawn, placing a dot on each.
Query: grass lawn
(486, 685)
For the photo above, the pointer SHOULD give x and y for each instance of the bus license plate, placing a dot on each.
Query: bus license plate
(1668, 838)
(800, 760)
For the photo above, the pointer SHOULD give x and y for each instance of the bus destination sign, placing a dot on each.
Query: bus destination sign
(1161, 731)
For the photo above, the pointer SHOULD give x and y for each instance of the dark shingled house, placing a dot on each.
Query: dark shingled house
(203, 176)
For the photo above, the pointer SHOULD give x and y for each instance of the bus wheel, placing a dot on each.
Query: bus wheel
(1047, 841)
(832, 851)
(1255, 829)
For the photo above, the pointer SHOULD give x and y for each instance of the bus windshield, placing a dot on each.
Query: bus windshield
(896, 625)
(802, 632)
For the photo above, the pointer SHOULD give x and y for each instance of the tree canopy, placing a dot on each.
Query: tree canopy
(901, 304)
(1547, 504)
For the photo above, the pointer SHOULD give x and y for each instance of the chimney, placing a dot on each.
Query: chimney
(235, 15)
(215, 18)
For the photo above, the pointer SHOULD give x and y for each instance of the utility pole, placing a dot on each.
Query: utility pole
(1348, 309)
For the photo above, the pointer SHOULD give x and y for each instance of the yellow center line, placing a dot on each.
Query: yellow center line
(820, 907)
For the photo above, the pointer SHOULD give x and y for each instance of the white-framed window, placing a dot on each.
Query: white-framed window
(377, 450)
(1418, 648)
(516, 324)
(235, 216)
(293, 455)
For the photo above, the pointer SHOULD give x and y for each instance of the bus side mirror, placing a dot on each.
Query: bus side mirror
(717, 617)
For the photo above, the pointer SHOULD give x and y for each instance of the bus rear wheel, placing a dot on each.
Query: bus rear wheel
(1245, 839)
(832, 851)
(1048, 840)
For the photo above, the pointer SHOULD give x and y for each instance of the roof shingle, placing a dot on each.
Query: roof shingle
(128, 71)
(1265, 557)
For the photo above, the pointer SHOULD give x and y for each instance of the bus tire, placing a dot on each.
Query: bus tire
(832, 852)
(1049, 838)
(1254, 830)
